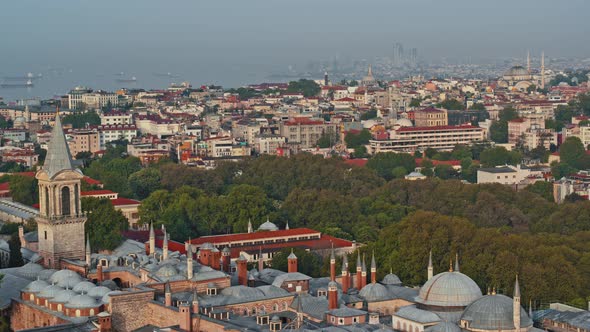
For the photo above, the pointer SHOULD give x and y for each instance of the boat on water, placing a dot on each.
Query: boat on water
(27, 77)
(27, 84)
(127, 80)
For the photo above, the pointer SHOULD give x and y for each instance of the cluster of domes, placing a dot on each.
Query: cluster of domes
(65, 287)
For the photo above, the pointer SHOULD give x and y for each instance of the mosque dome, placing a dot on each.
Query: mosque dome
(403, 122)
(82, 301)
(19, 121)
(109, 284)
(517, 71)
(62, 274)
(98, 292)
(64, 296)
(167, 271)
(443, 327)
(70, 281)
(50, 291)
(494, 312)
(83, 287)
(46, 274)
(30, 270)
(36, 286)
(268, 226)
(391, 279)
(449, 289)
(375, 292)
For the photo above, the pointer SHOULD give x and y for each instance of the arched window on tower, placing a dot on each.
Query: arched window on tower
(46, 201)
(77, 198)
(65, 201)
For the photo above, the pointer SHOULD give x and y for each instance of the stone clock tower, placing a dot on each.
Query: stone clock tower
(61, 221)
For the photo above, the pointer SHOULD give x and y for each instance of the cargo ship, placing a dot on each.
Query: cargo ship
(127, 80)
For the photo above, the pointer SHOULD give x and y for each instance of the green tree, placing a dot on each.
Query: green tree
(561, 169)
(82, 119)
(327, 139)
(104, 224)
(246, 203)
(445, 171)
(499, 156)
(370, 114)
(16, 258)
(24, 189)
(308, 263)
(543, 189)
(451, 104)
(399, 172)
(384, 163)
(415, 102)
(308, 88)
(355, 140)
(573, 153)
(144, 182)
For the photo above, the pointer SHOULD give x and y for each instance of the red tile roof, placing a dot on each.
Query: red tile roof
(97, 192)
(434, 128)
(4, 186)
(253, 236)
(124, 201)
(439, 162)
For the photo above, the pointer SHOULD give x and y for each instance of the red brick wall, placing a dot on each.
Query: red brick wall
(24, 316)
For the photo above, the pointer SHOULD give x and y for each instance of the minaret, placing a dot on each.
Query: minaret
(165, 245)
(543, 70)
(363, 274)
(326, 81)
(516, 305)
(88, 252)
(152, 240)
(358, 271)
(530, 309)
(250, 229)
(373, 269)
(60, 223)
(287, 226)
(260, 261)
(456, 262)
(345, 275)
(528, 61)
(430, 268)
(332, 264)
(189, 261)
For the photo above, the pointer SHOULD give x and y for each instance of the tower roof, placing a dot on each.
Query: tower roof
(516, 288)
(58, 154)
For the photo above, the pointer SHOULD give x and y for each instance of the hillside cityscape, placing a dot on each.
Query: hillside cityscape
(312, 166)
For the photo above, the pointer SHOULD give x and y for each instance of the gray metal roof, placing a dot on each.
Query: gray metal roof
(58, 154)
(18, 209)
(346, 312)
(292, 276)
(449, 289)
(503, 169)
(417, 315)
(10, 287)
(494, 312)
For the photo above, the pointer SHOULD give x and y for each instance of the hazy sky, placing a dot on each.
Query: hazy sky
(217, 40)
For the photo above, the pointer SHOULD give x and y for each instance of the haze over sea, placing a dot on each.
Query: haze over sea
(232, 43)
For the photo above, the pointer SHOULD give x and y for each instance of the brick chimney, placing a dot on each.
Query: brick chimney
(332, 295)
(185, 317)
(292, 262)
(104, 322)
(226, 259)
(167, 295)
(99, 276)
(242, 265)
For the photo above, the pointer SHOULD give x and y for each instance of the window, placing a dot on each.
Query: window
(45, 234)
(340, 321)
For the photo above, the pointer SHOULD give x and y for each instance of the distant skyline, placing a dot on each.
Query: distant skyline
(235, 42)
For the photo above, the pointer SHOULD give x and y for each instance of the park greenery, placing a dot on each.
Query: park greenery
(82, 119)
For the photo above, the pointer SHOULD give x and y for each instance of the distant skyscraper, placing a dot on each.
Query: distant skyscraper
(398, 54)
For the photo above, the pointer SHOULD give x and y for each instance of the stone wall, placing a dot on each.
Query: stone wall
(25, 316)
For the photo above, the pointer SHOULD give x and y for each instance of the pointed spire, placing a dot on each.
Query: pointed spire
(58, 154)
(373, 263)
(430, 259)
(530, 308)
(358, 260)
(370, 72)
(430, 267)
(516, 288)
(364, 266)
(456, 262)
(332, 255)
(450, 265)
(344, 262)
(152, 233)
(250, 229)
(287, 226)
(88, 251)
(528, 61)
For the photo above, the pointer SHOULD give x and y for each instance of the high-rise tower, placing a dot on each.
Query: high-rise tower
(60, 221)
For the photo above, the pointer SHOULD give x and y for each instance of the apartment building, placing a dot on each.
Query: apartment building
(305, 131)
